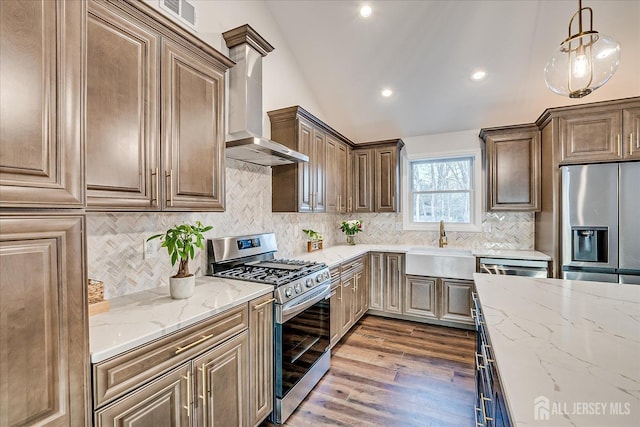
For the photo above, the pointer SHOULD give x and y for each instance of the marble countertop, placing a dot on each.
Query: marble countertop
(572, 347)
(136, 319)
(337, 254)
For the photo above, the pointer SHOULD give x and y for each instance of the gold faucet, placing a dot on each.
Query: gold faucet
(442, 241)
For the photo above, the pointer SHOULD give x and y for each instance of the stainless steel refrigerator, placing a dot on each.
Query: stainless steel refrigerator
(601, 222)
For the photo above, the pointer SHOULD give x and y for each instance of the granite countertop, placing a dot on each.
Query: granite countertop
(139, 318)
(571, 346)
(337, 254)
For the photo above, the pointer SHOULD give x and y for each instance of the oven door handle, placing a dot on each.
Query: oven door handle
(293, 308)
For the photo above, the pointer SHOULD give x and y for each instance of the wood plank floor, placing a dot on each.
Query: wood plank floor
(389, 372)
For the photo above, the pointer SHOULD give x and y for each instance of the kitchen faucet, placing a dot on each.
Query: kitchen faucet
(442, 241)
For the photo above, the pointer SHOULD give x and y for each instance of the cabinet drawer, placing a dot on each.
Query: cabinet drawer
(118, 375)
(352, 266)
(335, 272)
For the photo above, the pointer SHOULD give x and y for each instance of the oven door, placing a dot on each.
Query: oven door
(301, 337)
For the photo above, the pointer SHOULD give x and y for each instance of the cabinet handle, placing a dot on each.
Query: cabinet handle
(484, 353)
(484, 411)
(155, 191)
(478, 366)
(474, 316)
(187, 407)
(631, 144)
(262, 304)
(193, 344)
(204, 384)
(170, 186)
(333, 294)
(476, 419)
(393, 202)
(350, 205)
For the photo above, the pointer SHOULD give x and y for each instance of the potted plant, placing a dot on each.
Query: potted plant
(181, 241)
(350, 228)
(315, 240)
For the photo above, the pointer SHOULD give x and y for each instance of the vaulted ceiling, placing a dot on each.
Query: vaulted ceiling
(425, 52)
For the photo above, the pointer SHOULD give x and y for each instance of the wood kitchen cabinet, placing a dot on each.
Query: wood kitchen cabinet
(221, 395)
(420, 297)
(386, 282)
(335, 321)
(456, 300)
(155, 98)
(162, 403)
(44, 332)
(349, 298)
(338, 171)
(314, 186)
(376, 174)
(41, 154)
(513, 168)
(631, 133)
(260, 359)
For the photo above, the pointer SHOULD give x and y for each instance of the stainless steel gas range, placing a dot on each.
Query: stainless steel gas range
(301, 327)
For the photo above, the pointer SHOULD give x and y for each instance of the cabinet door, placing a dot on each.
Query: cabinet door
(376, 296)
(41, 155)
(319, 164)
(631, 133)
(221, 384)
(350, 180)
(261, 358)
(43, 340)
(363, 175)
(513, 167)
(386, 178)
(420, 297)
(192, 131)
(456, 300)
(591, 137)
(333, 176)
(393, 283)
(342, 173)
(335, 325)
(165, 402)
(305, 141)
(122, 112)
(361, 295)
(348, 298)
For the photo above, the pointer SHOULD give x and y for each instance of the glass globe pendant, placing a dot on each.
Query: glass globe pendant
(584, 62)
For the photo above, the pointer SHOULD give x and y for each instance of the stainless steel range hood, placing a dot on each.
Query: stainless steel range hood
(245, 141)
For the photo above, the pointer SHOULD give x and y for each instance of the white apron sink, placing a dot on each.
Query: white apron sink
(450, 263)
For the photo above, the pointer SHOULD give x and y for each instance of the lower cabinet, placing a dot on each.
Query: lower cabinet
(349, 297)
(438, 298)
(215, 373)
(221, 384)
(163, 402)
(386, 282)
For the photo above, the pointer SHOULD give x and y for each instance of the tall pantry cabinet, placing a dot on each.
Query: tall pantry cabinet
(43, 312)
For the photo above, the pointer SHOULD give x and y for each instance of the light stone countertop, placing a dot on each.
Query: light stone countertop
(139, 318)
(574, 343)
(337, 254)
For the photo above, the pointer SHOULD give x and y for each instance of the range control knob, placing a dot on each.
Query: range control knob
(298, 288)
(327, 276)
(288, 292)
(309, 282)
(319, 278)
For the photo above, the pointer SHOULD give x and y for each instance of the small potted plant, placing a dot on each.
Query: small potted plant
(181, 241)
(315, 240)
(350, 228)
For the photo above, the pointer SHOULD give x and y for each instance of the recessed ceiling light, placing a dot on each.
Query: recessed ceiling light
(365, 11)
(478, 75)
(386, 92)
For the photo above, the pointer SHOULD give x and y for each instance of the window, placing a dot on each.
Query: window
(442, 188)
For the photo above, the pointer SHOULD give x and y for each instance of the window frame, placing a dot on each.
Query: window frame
(476, 192)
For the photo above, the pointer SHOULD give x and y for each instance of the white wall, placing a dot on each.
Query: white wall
(466, 140)
(283, 82)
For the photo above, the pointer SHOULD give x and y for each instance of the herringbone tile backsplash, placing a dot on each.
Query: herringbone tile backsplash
(115, 240)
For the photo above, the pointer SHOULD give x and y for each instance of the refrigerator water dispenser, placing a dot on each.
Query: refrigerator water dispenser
(590, 244)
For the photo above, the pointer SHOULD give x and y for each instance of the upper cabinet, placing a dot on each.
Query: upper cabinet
(318, 185)
(41, 158)
(513, 168)
(599, 133)
(155, 124)
(376, 174)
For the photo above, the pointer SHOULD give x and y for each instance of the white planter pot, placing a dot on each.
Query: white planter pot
(182, 287)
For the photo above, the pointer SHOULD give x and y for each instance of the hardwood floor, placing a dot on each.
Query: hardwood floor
(389, 372)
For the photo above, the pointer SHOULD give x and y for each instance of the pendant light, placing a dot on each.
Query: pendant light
(585, 61)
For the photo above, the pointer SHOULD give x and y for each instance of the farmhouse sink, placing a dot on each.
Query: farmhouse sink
(451, 263)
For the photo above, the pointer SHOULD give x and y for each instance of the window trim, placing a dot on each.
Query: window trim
(476, 194)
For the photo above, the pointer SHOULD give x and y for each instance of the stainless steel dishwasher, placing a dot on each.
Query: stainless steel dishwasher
(514, 267)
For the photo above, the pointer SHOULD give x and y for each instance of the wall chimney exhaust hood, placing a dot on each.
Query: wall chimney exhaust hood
(244, 141)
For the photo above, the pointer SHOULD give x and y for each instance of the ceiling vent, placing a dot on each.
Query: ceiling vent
(182, 9)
